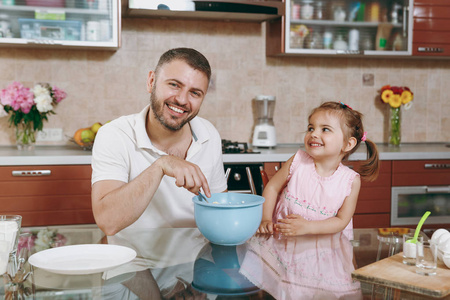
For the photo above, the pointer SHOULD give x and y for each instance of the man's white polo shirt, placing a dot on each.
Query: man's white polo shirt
(122, 150)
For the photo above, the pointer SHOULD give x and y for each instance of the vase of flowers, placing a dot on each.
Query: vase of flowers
(28, 109)
(396, 97)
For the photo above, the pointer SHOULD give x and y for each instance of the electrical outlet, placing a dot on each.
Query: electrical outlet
(50, 135)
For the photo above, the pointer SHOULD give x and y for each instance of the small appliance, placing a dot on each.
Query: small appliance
(264, 134)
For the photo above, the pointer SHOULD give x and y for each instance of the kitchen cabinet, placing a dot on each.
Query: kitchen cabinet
(60, 23)
(431, 33)
(47, 195)
(374, 201)
(351, 28)
(419, 186)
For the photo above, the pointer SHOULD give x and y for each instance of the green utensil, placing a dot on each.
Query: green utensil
(419, 226)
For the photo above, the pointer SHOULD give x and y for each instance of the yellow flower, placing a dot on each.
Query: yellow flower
(386, 95)
(395, 101)
(406, 97)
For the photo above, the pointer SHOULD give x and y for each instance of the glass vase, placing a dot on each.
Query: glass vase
(395, 120)
(25, 136)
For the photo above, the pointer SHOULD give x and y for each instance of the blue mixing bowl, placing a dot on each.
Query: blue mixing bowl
(228, 219)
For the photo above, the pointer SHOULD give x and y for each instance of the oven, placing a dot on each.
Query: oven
(242, 177)
(409, 203)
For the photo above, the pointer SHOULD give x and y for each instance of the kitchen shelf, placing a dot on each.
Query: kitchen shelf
(62, 27)
(380, 28)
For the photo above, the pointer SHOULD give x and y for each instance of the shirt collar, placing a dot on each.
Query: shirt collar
(199, 131)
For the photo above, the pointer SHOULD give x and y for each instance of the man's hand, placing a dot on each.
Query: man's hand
(186, 174)
(292, 225)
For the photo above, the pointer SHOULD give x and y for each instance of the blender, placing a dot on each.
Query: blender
(264, 134)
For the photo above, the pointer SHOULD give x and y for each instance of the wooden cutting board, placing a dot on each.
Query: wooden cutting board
(391, 272)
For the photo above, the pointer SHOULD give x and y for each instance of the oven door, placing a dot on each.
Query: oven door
(409, 203)
(244, 178)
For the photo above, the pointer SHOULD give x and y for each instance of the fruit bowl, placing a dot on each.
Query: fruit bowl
(228, 219)
(85, 146)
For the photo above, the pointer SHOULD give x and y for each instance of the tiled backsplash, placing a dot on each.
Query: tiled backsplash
(103, 85)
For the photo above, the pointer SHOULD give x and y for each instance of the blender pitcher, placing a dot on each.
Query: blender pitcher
(264, 134)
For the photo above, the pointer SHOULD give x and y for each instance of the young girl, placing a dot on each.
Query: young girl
(318, 193)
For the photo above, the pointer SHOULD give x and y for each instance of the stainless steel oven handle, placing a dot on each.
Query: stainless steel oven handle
(437, 166)
(250, 180)
(26, 173)
(438, 189)
(227, 173)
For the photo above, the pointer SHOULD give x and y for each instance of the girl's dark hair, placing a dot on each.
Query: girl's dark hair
(192, 57)
(352, 126)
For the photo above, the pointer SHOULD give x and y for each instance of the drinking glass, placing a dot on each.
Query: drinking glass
(426, 258)
(9, 235)
(409, 249)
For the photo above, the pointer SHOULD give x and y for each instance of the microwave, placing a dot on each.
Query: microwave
(409, 203)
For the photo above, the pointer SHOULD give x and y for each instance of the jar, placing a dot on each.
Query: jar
(353, 39)
(295, 11)
(340, 44)
(319, 11)
(307, 10)
(327, 40)
(339, 14)
(5, 26)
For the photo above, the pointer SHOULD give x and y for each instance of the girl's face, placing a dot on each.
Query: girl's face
(324, 137)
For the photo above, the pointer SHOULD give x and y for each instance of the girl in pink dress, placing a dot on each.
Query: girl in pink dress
(313, 192)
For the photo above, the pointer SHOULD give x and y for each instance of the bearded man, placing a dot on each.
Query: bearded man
(146, 167)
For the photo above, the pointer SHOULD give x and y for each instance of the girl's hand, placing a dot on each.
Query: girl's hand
(265, 227)
(292, 225)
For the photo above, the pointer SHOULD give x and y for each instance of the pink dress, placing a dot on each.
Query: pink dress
(312, 196)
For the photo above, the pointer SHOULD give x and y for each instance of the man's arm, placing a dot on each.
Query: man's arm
(117, 204)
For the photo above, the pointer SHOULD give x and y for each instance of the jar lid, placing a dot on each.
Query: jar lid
(265, 97)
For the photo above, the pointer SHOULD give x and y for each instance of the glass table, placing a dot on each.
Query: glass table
(179, 263)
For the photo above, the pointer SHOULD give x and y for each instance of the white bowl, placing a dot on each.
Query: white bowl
(437, 234)
(447, 260)
(443, 245)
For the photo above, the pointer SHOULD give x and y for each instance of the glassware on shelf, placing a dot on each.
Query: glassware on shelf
(339, 14)
(318, 11)
(307, 10)
(327, 40)
(340, 43)
(353, 39)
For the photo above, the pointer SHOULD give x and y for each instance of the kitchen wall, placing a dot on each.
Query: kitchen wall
(103, 85)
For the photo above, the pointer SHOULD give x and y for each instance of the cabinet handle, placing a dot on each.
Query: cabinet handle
(438, 189)
(28, 173)
(430, 49)
(437, 166)
(353, 52)
(44, 42)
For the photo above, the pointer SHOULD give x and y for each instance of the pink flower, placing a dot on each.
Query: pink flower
(18, 97)
(58, 94)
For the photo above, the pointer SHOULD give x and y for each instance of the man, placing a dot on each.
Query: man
(148, 166)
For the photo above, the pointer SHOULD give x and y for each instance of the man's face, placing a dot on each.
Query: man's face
(177, 93)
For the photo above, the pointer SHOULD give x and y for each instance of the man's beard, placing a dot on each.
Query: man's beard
(158, 107)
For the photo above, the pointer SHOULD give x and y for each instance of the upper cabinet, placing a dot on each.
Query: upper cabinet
(342, 27)
(60, 23)
(431, 35)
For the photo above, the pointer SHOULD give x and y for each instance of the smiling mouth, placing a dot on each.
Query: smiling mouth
(315, 144)
(175, 109)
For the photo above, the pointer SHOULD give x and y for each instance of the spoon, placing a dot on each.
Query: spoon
(202, 197)
(419, 226)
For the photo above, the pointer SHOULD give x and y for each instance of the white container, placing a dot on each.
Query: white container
(93, 31)
(340, 44)
(307, 10)
(353, 40)
(327, 40)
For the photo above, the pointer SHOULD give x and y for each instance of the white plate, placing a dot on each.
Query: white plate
(82, 259)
